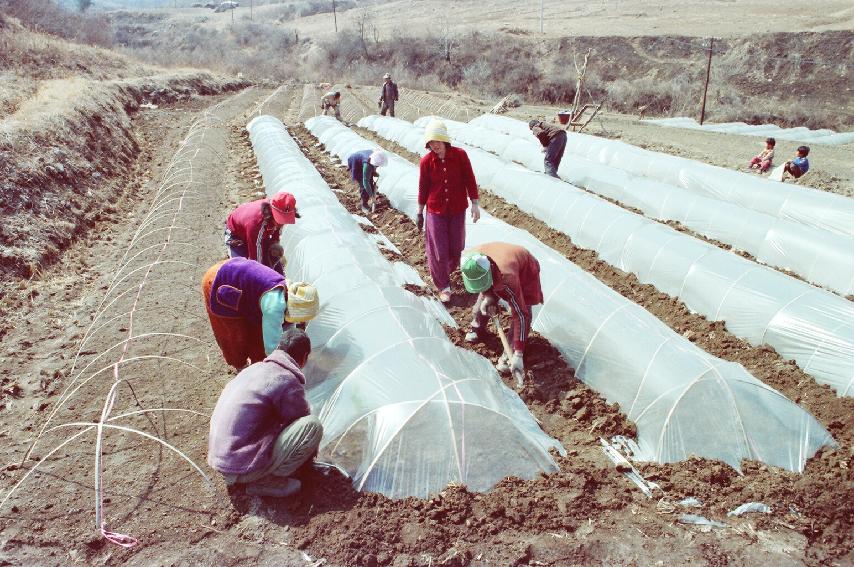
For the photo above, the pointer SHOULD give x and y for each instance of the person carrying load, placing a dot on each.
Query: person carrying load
(553, 140)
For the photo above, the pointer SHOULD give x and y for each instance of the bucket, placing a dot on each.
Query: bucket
(563, 116)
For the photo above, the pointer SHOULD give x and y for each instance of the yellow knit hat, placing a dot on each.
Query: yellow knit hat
(436, 131)
(303, 302)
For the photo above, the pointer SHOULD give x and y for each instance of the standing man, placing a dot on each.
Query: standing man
(445, 185)
(331, 102)
(262, 429)
(388, 96)
(498, 270)
(363, 169)
(253, 229)
(553, 140)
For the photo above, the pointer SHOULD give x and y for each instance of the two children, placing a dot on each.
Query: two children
(795, 167)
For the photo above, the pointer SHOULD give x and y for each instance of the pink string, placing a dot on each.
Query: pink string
(123, 540)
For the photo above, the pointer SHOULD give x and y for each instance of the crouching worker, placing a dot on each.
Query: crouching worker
(253, 229)
(262, 429)
(246, 303)
(363, 169)
(498, 270)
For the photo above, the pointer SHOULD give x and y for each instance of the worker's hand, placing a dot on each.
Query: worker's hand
(475, 212)
(488, 305)
(517, 368)
(419, 221)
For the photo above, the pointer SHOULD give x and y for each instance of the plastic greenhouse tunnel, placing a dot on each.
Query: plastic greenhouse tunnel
(404, 411)
(823, 136)
(817, 255)
(805, 205)
(809, 325)
(684, 401)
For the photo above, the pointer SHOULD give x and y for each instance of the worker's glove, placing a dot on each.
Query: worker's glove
(419, 221)
(488, 305)
(474, 336)
(517, 367)
(503, 365)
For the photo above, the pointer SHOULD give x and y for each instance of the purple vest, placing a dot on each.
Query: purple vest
(238, 287)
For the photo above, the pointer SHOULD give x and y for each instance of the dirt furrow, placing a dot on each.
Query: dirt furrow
(836, 413)
(813, 494)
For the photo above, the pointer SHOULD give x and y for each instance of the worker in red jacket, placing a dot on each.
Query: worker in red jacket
(253, 229)
(446, 183)
(498, 270)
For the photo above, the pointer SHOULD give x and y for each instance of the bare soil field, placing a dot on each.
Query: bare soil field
(193, 165)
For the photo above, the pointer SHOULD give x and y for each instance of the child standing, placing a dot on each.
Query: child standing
(763, 160)
(798, 165)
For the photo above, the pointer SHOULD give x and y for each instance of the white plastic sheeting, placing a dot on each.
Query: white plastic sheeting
(403, 409)
(797, 203)
(806, 324)
(801, 134)
(819, 256)
(684, 401)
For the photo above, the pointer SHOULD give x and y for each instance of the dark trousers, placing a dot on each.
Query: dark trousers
(389, 107)
(554, 153)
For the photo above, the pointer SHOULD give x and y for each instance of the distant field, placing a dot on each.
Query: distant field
(720, 18)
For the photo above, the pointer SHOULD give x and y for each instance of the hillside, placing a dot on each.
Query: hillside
(795, 77)
(70, 106)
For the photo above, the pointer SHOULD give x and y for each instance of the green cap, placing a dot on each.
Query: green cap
(477, 273)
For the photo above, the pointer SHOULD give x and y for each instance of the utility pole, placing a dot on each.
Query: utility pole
(706, 88)
(335, 16)
(541, 16)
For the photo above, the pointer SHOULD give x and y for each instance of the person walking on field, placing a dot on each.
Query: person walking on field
(253, 229)
(553, 140)
(388, 96)
(331, 102)
(498, 270)
(261, 429)
(363, 169)
(445, 185)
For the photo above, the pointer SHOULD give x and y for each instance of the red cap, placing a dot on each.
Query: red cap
(284, 206)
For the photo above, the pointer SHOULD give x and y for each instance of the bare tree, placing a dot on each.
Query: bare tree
(84, 5)
(365, 26)
(448, 39)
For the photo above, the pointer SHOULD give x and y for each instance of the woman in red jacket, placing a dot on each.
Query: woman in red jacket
(253, 229)
(445, 185)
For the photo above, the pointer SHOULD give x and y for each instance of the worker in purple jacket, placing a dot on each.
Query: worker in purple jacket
(262, 429)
